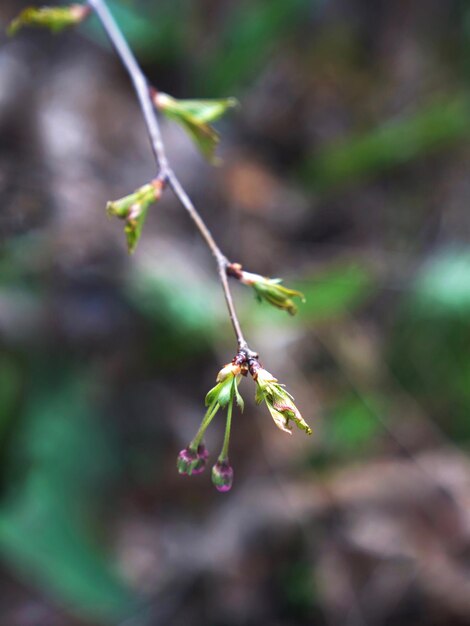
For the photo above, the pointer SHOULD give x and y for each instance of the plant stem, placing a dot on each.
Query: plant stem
(208, 417)
(223, 456)
(166, 173)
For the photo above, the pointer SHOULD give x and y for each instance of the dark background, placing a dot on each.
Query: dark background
(345, 171)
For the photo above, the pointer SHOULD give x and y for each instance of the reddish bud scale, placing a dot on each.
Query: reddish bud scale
(234, 270)
(240, 360)
(80, 11)
(158, 184)
(253, 367)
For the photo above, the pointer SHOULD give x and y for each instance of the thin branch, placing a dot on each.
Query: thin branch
(165, 173)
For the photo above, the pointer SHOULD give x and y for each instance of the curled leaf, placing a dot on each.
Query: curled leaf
(271, 290)
(133, 209)
(53, 18)
(195, 117)
(279, 402)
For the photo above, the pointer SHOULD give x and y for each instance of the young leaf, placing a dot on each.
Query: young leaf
(203, 111)
(279, 402)
(195, 116)
(133, 209)
(134, 225)
(54, 18)
(239, 400)
(271, 290)
(225, 391)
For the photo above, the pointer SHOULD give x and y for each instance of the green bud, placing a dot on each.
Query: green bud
(279, 402)
(226, 388)
(133, 209)
(54, 18)
(195, 116)
(271, 290)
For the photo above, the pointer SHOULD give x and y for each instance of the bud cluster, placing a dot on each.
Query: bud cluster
(192, 460)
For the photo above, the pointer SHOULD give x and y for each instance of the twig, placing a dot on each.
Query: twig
(165, 172)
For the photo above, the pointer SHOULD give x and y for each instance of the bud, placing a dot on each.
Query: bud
(202, 456)
(194, 116)
(134, 208)
(222, 475)
(54, 18)
(192, 461)
(270, 290)
(231, 369)
(227, 387)
(279, 402)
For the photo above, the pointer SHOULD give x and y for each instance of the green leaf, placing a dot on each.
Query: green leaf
(222, 393)
(194, 116)
(134, 226)
(212, 395)
(332, 292)
(204, 136)
(53, 18)
(133, 209)
(225, 391)
(57, 465)
(199, 111)
(259, 395)
(276, 294)
(239, 400)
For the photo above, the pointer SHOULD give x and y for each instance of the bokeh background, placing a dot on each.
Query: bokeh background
(346, 171)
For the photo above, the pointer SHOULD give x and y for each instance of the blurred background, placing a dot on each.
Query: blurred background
(345, 171)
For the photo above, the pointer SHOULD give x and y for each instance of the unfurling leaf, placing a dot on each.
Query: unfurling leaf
(195, 117)
(226, 388)
(271, 290)
(279, 402)
(54, 18)
(133, 209)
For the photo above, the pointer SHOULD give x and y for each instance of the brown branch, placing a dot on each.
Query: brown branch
(165, 173)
